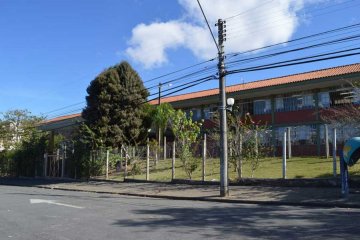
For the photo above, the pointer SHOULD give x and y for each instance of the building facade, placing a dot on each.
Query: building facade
(296, 101)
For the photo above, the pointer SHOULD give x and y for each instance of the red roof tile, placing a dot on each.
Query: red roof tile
(61, 118)
(329, 72)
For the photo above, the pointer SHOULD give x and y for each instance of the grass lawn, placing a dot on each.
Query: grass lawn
(304, 167)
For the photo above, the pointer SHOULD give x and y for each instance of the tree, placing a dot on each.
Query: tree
(161, 119)
(23, 145)
(186, 133)
(245, 140)
(114, 110)
(17, 125)
(162, 116)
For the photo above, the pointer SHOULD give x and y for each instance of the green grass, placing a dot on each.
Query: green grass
(305, 167)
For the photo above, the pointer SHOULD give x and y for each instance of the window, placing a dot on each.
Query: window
(246, 107)
(294, 102)
(356, 96)
(196, 114)
(206, 113)
(262, 107)
(324, 99)
(308, 101)
(341, 97)
(279, 104)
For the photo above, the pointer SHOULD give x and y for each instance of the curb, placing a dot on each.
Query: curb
(204, 199)
(220, 200)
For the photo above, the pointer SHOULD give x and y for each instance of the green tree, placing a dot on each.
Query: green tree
(115, 103)
(162, 116)
(161, 120)
(186, 134)
(16, 125)
(23, 145)
(246, 140)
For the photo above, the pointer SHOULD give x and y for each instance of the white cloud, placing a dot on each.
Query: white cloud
(266, 22)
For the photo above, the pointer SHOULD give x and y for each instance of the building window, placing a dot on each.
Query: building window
(207, 113)
(279, 104)
(308, 101)
(356, 96)
(324, 99)
(196, 114)
(262, 107)
(246, 107)
(294, 103)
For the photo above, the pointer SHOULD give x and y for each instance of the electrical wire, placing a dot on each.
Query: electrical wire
(292, 62)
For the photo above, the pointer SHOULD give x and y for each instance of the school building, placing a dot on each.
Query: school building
(296, 101)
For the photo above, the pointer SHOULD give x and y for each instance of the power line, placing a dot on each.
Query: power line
(180, 70)
(295, 40)
(58, 109)
(249, 10)
(202, 11)
(294, 61)
(337, 41)
(231, 35)
(259, 19)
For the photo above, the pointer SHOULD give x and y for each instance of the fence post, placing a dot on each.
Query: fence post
(256, 142)
(107, 164)
(327, 141)
(289, 142)
(284, 156)
(45, 164)
(334, 152)
(126, 160)
(63, 162)
(58, 162)
(204, 158)
(147, 160)
(173, 162)
(164, 147)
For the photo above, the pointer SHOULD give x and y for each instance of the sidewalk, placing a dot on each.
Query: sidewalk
(295, 196)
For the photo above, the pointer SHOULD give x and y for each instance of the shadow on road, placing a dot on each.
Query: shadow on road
(250, 221)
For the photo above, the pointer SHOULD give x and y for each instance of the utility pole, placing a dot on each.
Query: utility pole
(224, 185)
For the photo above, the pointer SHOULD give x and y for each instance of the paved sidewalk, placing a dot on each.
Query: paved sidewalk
(298, 196)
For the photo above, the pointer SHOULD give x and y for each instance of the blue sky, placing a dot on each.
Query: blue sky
(50, 50)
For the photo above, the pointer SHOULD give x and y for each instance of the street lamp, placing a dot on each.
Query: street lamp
(230, 103)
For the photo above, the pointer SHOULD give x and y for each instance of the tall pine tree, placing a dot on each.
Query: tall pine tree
(114, 110)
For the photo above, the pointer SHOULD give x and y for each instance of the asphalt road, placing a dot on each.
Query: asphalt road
(33, 213)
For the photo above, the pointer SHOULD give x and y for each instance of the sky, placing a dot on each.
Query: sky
(50, 50)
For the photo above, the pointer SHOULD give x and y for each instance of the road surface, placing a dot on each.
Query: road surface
(33, 213)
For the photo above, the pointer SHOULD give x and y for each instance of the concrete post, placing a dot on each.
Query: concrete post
(63, 162)
(45, 164)
(164, 147)
(256, 142)
(57, 174)
(126, 160)
(107, 164)
(284, 157)
(147, 160)
(173, 162)
(289, 142)
(204, 158)
(334, 152)
(327, 141)
(121, 157)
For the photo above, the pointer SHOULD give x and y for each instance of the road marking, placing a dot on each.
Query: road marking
(53, 202)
